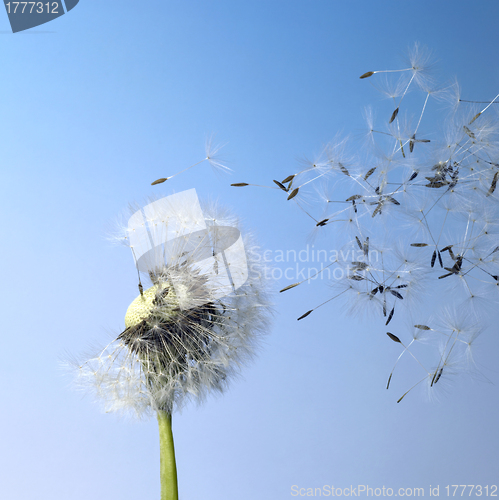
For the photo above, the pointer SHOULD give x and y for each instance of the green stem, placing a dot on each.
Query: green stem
(168, 468)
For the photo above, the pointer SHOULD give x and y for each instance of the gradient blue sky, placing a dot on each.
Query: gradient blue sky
(102, 101)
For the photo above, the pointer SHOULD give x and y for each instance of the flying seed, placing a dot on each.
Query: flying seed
(354, 206)
(402, 286)
(354, 197)
(402, 397)
(288, 178)
(393, 200)
(381, 288)
(411, 143)
(280, 185)
(474, 118)
(390, 316)
(394, 115)
(365, 247)
(413, 176)
(374, 291)
(436, 184)
(384, 305)
(358, 242)
(445, 276)
(293, 193)
(433, 258)
(356, 277)
(159, 181)
(448, 247)
(440, 259)
(493, 185)
(367, 75)
(369, 173)
(439, 375)
(240, 184)
(378, 209)
(359, 265)
(469, 132)
(343, 169)
(322, 222)
(389, 378)
(393, 337)
(305, 315)
(393, 292)
(289, 287)
(422, 327)
(419, 244)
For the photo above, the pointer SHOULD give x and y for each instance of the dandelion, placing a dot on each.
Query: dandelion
(188, 332)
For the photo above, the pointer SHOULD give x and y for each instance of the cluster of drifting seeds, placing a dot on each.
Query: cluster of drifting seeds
(419, 211)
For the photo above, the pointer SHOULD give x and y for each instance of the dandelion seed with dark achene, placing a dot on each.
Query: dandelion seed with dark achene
(411, 143)
(289, 287)
(356, 277)
(474, 118)
(354, 197)
(240, 184)
(159, 181)
(394, 115)
(433, 258)
(378, 209)
(493, 185)
(413, 176)
(439, 375)
(322, 222)
(281, 186)
(445, 276)
(367, 75)
(369, 173)
(440, 259)
(365, 247)
(289, 178)
(305, 315)
(344, 170)
(293, 193)
(393, 337)
(419, 244)
(403, 396)
(358, 242)
(422, 327)
(390, 316)
(396, 294)
(469, 132)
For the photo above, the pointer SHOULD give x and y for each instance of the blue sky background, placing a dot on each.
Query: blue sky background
(102, 101)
